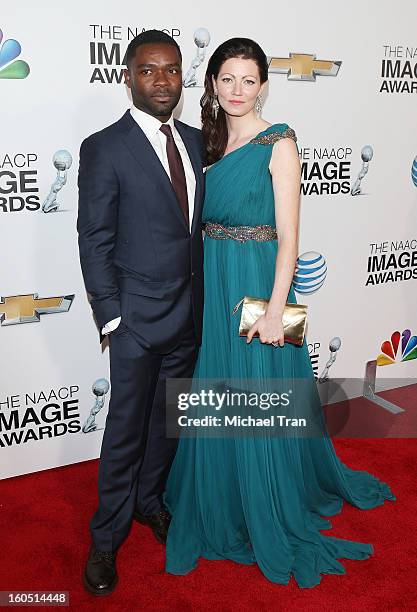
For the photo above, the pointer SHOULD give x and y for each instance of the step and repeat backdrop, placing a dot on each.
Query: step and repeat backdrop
(343, 77)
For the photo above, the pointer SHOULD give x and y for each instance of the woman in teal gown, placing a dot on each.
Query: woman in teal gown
(250, 498)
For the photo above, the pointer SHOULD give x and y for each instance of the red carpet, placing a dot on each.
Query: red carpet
(44, 528)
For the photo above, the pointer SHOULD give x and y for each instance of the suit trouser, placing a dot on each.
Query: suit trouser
(135, 454)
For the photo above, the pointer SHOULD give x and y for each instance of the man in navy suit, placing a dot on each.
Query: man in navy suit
(140, 198)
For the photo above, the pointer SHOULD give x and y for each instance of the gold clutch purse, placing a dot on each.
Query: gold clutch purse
(294, 318)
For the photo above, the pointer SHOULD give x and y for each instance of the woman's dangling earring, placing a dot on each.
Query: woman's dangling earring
(258, 105)
(215, 106)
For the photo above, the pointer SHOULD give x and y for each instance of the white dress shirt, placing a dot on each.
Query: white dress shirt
(150, 126)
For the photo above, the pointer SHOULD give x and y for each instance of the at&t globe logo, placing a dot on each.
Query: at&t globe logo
(414, 171)
(311, 272)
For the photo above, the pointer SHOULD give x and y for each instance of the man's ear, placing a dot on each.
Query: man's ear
(127, 76)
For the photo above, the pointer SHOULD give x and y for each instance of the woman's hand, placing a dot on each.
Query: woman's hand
(269, 328)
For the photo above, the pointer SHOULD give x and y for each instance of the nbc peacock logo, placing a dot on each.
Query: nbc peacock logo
(10, 67)
(391, 348)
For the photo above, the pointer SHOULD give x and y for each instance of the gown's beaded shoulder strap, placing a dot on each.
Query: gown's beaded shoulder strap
(273, 137)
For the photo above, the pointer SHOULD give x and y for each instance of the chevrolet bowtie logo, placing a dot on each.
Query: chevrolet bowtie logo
(303, 66)
(28, 308)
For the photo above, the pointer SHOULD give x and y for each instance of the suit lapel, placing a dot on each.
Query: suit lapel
(195, 158)
(145, 155)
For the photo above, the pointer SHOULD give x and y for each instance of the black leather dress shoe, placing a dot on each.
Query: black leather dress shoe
(159, 523)
(100, 575)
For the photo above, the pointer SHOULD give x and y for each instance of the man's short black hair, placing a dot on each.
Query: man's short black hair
(150, 36)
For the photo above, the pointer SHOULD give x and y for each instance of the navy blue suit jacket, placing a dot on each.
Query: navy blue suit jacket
(138, 257)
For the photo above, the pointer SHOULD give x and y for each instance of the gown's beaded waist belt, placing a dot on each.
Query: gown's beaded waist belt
(241, 233)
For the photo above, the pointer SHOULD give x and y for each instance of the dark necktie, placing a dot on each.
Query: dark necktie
(176, 170)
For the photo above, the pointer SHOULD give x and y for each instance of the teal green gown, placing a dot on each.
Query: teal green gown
(255, 499)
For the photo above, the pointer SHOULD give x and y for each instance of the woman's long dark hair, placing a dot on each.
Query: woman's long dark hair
(215, 133)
